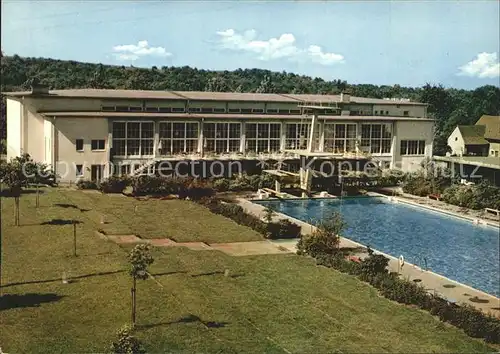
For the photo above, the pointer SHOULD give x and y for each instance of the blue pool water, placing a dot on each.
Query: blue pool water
(453, 247)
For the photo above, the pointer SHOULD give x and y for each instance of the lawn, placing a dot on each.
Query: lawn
(272, 304)
(179, 220)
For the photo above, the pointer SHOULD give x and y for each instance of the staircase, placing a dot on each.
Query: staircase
(144, 167)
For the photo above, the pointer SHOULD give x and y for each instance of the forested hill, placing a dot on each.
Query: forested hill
(449, 106)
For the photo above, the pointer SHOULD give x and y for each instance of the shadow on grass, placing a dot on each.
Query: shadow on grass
(217, 272)
(70, 206)
(7, 193)
(61, 222)
(73, 279)
(9, 301)
(187, 319)
(169, 273)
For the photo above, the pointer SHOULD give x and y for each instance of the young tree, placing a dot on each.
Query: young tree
(268, 215)
(126, 343)
(325, 239)
(140, 258)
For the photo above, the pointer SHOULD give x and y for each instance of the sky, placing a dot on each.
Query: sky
(410, 43)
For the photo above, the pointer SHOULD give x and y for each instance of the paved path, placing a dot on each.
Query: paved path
(434, 283)
(232, 248)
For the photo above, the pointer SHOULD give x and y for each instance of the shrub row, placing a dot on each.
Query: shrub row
(480, 196)
(155, 185)
(272, 230)
(243, 182)
(373, 270)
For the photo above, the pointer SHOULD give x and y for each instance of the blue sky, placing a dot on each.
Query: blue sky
(384, 42)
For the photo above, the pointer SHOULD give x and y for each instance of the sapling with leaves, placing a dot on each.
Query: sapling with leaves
(268, 215)
(140, 259)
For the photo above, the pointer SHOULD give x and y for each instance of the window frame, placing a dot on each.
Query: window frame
(98, 147)
(83, 144)
(335, 141)
(416, 145)
(382, 143)
(268, 139)
(82, 171)
(184, 138)
(228, 141)
(127, 138)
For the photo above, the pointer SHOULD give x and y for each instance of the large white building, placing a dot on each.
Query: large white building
(79, 132)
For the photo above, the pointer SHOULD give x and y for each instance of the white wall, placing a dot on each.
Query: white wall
(14, 126)
(413, 130)
(34, 143)
(394, 110)
(70, 129)
(48, 136)
(456, 142)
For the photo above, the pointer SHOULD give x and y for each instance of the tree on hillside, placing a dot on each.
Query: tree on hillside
(447, 105)
(217, 84)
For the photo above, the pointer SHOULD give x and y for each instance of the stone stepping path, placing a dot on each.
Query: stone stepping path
(232, 248)
(249, 248)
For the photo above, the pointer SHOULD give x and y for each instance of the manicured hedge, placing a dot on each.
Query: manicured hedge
(244, 183)
(184, 187)
(474, 322)
(114, 184)
(272, 230)
(85, 184)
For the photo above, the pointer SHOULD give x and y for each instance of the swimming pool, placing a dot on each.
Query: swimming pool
(452, 247)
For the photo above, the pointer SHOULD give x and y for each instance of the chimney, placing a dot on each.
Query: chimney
(345, 97)
(37, 88)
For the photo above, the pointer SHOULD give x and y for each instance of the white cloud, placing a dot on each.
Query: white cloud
(275, 48)
(485, 65)
(141, 49)
(317, 55)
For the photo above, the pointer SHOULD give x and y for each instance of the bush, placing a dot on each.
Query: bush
(114, 184)
(86, 184)
(373, 270)
(126, 343)
(325, 239)
(196, 189)
(480, 196)
(221, 184)
(153, 185)
(373, 265)
(283, 229)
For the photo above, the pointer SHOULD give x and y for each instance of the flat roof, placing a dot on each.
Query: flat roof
(208, 96)
(94, 114)
(234, 96)
(352, 99)
(480, 161)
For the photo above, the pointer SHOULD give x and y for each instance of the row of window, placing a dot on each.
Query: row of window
(137, 138)
(198, 110)
(234, 110)
(95, 144)
(405, 113)
(412, 147)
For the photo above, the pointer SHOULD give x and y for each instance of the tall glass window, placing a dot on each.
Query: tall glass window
(263, 137)
(296, 135)
(340, 137)
(222, 137)
(178, 137)
(133, 138)
(376, 138)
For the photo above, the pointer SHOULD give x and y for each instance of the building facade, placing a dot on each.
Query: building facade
(80, 132)
(481, 139)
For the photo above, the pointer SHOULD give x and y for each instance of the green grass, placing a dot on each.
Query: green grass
(180, 220)
(272, 304)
